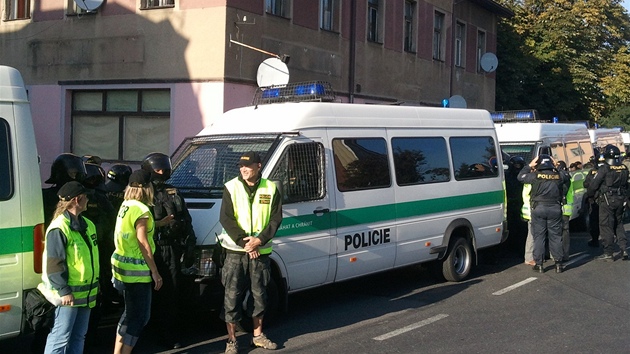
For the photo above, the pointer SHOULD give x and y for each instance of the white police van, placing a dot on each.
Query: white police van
(607, 136)
(366, 188)
(521, 133)
(21, 211)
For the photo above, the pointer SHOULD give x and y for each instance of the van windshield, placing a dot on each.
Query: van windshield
(202, 164)
(526, 150)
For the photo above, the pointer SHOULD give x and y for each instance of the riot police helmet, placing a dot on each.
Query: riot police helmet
(157, 161)
(119, 173)
(95, 176)
(67, 167)
(544, 162)
(517, 163)
(612, 154)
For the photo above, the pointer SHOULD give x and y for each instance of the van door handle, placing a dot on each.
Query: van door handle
(321, 211)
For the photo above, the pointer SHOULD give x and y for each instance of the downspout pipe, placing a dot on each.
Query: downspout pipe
(352, 58)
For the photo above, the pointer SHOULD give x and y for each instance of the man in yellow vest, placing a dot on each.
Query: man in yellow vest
(251, 213)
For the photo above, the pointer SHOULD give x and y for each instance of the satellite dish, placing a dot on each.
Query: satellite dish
(89, 5)
(272, 72)
(489, 62)
(457, 101)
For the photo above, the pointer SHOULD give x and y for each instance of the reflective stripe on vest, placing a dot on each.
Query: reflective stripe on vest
(82, 262)
(526, 208)
(567, 209)
(251, 218)
(128, 264)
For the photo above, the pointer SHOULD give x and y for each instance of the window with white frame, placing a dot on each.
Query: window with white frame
(17, 9)
(438, 36)
(481, 48)
(410, 26)
(460, 44)
(120, 125)
(277, 7)
(151, 4)
(328, 15)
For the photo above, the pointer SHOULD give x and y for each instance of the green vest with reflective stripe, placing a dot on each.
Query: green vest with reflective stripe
(567, 208)
(526, 213)
(81, 259)
(128, 264)
(252, 218)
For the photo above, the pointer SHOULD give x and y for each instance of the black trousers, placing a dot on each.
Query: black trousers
(547, 224)
(611, 224)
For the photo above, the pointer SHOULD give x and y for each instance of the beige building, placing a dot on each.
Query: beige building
(122, 78)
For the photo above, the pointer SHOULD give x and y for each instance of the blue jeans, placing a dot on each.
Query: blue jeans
(137, 311)
(68, 333)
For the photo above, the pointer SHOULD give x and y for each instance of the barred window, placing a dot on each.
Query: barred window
(151, 4)
(300, 173)
(120, 125)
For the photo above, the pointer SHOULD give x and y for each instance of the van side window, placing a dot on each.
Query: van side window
(474, 157)
(6, 167)
(420, 160)
(300, 173)
(361, 163)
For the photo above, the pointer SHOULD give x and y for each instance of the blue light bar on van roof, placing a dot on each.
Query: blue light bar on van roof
(297, 92)
(514, 116)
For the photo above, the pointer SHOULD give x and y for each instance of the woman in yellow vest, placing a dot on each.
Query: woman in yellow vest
(133, 265)
(70, 270)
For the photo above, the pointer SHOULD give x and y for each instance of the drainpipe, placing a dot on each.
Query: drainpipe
(353, 35)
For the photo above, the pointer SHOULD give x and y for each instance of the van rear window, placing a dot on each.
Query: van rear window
(474, 157)
(6, 165)
(361, 163)
(420, 160)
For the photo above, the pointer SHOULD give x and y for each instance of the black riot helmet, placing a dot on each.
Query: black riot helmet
(544, 162)
(119, 173)
(517, 163)
(95, 175)
(157, 161)
(611, 154)
(67, 167)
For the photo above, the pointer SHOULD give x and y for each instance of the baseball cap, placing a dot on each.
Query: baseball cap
(140, 178)
(71, 190)
(248, 158)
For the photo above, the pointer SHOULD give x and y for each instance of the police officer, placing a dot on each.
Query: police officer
(173, 241)
(117, 180)
(514, 191)
(567, 212)
(593, 209)
(611, 186)
(66, 167)
(546, 197)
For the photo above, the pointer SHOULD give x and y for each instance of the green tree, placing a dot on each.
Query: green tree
(565, 58)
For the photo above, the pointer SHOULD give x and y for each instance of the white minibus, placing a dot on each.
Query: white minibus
(21, 211)
(366, 188)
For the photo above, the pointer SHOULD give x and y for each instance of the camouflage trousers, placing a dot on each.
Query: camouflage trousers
(240, 274)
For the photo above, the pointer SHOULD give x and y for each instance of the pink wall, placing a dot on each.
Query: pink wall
(46, 108)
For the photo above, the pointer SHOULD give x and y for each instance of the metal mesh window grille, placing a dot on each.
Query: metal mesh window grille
(208, 162)
(300, 173)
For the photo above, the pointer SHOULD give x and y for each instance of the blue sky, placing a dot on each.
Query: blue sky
(626, 4)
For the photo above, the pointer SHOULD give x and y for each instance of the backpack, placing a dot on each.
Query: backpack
(39, 312)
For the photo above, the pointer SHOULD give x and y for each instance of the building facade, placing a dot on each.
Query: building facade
(123, 78)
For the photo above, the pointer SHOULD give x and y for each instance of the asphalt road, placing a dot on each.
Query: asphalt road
(504, 307)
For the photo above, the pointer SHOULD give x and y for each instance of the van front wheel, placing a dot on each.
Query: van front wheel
(457, 265)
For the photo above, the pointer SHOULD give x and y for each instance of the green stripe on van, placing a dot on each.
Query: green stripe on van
(311, 223)
(16, 240)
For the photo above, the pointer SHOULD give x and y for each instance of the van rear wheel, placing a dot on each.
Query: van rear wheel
(458, 263)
